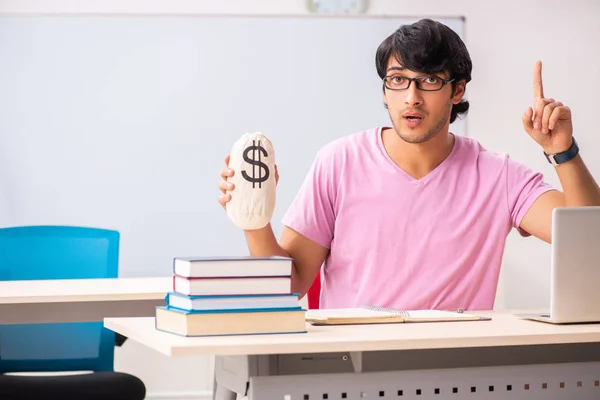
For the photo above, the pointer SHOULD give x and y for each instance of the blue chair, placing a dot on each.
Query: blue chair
(61, 252)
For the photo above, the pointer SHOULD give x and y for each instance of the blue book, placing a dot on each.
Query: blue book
(233, 302)
(242, 322)
(232, 266)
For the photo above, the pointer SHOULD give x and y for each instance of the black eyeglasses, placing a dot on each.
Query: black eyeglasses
(429, 83)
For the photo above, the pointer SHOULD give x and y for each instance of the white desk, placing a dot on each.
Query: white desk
(502, 358)
(79, 300)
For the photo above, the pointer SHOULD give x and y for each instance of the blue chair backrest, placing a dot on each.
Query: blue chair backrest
(57, 252)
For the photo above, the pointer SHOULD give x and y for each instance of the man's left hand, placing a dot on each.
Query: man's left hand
(549, 121)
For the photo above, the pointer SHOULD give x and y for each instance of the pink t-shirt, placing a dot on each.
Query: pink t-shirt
(398, 242)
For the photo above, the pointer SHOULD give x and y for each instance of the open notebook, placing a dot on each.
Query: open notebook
(380, 315)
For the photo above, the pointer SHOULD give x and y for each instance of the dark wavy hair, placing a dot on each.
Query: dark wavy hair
(430, 47)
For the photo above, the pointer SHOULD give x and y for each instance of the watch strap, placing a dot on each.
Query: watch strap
(560, 158)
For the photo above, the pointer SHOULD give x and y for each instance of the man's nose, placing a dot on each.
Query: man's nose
(413, 95)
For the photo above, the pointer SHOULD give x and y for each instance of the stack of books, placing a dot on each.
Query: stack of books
(231, 296)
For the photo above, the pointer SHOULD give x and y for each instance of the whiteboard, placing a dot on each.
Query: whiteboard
(122, 122)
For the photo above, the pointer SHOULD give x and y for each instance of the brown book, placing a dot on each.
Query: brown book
(259, 321)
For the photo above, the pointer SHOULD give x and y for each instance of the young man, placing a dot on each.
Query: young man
(412, 216)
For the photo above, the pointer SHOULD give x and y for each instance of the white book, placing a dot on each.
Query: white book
(232, 266)
(380, 315)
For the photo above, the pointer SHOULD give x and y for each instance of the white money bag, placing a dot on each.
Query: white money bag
(252, 203)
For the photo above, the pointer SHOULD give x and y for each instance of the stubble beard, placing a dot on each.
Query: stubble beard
(431, 133)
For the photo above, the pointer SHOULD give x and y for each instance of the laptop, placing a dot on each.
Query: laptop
(575, 267)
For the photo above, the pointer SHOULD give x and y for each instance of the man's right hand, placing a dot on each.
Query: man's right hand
(224, 185)
(308, 256)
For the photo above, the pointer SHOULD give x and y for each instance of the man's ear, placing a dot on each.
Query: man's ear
(459, 92)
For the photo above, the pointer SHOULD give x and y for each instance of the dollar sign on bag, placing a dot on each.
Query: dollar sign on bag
(256, 150)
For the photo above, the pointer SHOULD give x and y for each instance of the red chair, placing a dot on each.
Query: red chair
(314, 293)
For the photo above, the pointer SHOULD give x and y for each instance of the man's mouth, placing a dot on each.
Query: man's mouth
(413, 119)
(412, 116)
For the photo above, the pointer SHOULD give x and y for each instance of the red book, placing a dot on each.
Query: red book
(231, 286)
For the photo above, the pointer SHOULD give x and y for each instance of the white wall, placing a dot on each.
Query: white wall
(504, 38)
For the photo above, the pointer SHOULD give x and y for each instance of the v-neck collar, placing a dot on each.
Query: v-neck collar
(427, 178)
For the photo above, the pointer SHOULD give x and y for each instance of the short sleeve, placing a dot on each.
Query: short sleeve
(524, 186)
(312, 211)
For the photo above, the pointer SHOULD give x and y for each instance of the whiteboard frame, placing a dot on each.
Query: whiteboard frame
(375, 8)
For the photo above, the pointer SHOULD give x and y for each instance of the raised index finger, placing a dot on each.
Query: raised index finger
(538, 89)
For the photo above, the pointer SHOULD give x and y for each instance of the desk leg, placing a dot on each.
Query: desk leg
(220, 392)
(230, 377)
